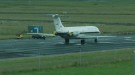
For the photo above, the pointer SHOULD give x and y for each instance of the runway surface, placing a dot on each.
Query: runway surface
(34, 47)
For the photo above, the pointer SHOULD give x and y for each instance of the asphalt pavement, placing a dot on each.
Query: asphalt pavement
(51, 46)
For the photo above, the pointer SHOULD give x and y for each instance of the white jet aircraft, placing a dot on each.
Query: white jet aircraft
(77, 32)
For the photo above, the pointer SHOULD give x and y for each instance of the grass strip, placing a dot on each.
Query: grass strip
(111, 62)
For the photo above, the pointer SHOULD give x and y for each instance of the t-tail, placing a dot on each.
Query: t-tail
(57, 22)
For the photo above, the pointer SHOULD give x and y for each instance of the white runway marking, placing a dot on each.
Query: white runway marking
(78, 44)
(41, 42)
(106, 42)
(127, 37)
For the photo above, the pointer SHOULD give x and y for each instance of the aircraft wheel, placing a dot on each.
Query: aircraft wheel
(95, 40)
(82, 42)
(66, 41)
(44, 37)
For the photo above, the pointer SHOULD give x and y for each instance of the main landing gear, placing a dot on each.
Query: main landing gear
(82, 41)
(96, 40)
(66, 41)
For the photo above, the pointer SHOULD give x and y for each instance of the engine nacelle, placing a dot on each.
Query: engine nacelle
(73, 33)
(66, 34)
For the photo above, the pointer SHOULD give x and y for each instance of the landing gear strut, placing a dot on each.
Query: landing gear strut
(95, 40)
(66, 41)
(82, 42)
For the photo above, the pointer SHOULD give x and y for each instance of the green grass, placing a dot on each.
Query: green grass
(108, 69)
(117, 62)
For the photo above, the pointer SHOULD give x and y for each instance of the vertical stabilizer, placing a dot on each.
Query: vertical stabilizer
(57, 22)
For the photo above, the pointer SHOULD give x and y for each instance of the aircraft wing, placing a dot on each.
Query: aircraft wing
(42, 34)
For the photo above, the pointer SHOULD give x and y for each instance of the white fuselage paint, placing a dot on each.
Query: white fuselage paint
(82, 29)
